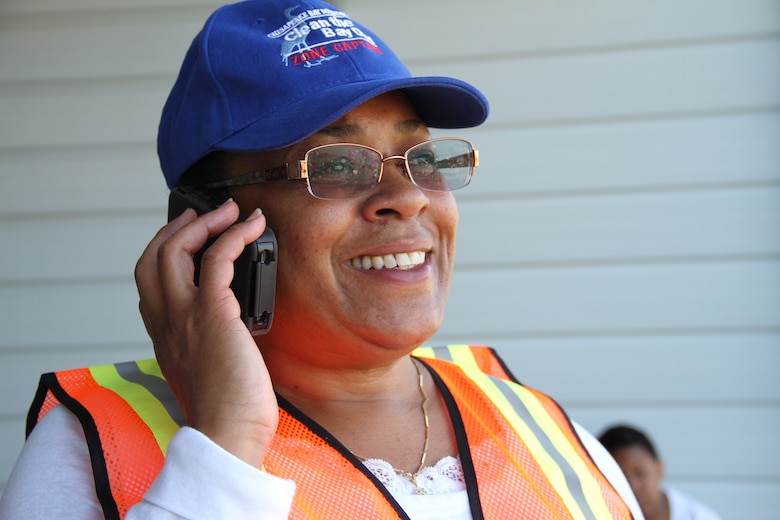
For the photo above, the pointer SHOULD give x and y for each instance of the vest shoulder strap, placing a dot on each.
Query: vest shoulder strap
(524, 438)
(470, 357)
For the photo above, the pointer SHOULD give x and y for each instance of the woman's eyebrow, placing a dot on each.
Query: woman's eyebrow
(408, 126)
(341, 131)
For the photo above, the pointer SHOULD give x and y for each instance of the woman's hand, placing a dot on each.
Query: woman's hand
(204, 349)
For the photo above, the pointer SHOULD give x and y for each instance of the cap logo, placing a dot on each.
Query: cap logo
(315, 36)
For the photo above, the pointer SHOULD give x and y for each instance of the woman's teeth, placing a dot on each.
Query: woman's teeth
(396, 261)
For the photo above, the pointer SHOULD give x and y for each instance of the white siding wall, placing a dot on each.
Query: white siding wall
(620, 245)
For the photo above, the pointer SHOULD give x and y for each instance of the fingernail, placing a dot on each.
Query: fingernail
(256, 213)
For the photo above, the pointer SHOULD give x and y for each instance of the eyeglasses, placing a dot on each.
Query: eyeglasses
(345, 171)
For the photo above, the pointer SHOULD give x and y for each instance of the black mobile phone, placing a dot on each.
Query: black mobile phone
(254, 280)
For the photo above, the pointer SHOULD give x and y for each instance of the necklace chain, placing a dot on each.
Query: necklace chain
(424, 406)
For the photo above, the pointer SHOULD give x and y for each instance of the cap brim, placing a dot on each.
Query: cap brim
(441, 102)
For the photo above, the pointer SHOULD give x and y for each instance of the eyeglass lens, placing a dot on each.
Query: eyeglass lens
(343, 171)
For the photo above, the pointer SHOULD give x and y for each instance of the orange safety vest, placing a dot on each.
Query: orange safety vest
(520, 454)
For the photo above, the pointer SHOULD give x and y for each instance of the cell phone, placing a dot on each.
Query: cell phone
(254, 279)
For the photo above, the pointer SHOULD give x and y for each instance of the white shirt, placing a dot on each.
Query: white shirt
(683, 507)
(199, 480)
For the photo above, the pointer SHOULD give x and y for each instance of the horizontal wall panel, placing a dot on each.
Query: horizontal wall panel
(642, 83)
(73, 47)
(626, 155)
(75, 246)
(620, 227)
(615, 299)
(80, 7)
(81, 180)
(507, 27)
(91, 313)
(713, 442)
(94, 113)
(648, 370)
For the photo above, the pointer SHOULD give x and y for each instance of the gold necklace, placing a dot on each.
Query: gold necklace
(413, 476)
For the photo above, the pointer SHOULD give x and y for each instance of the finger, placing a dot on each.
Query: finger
(149, 255)
(174, 256)
(149, 322)
(146, 274)
(217, 263)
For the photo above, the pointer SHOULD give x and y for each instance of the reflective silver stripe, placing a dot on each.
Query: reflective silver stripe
(443, 353)
(572, 480)
(130, 371)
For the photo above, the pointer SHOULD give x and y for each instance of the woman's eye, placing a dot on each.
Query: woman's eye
(338, 165)
(423, 159)
(337, 170)
(423, 163)
(335, 166)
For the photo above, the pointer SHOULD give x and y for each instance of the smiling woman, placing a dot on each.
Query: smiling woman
(396, 309)
(337, 411)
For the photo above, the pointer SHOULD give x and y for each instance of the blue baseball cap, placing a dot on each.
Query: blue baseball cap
(265, 74)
